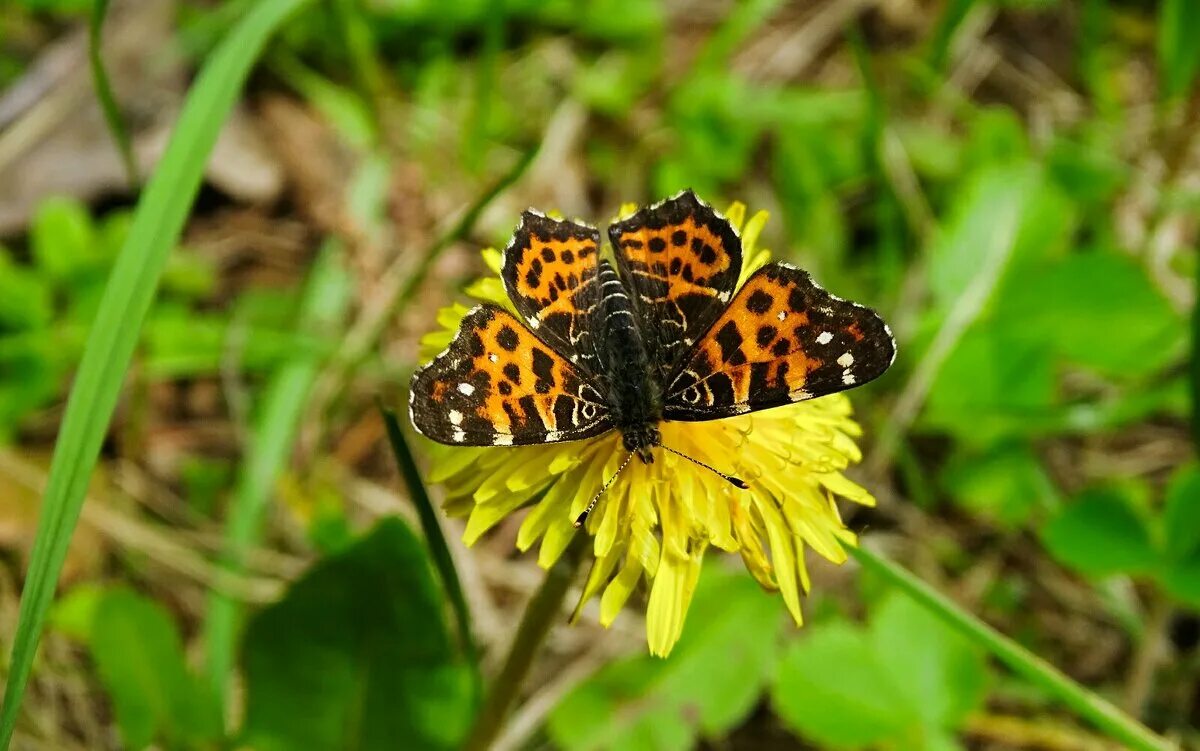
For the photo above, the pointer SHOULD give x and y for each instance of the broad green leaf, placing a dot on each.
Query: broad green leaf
(157, 222)
(833, 688)
(63, 240)
(25, 298)
(1006, 484)
(991, 386)
(1099, 535)
(1181, 515)
(1182, 580)
(1098, 310)
(1178, 45)
(943, 673)
(708, 685)
(357, 655)
(984, 231)
(140, 662)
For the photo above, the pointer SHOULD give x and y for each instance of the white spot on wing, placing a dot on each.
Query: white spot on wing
(455, 417)
(503, 440)
(492, 358)
(825, 338)
(553, 436)
(846, 360)
(782, 315)
(466, 389)
(458, 436)
(847, 378)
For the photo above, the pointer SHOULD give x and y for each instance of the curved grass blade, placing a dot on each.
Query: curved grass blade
(104, 93)
(438, 549)
(157, 223)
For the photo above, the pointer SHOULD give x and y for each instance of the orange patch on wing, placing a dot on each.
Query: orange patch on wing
(759, 326)
(686, 256)
(550, 270)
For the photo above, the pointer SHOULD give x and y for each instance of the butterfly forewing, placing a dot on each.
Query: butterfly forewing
(549, 272)
(681, 261)
(782, 339)
(499, 385)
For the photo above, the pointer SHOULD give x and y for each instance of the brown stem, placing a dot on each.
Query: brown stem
(540, 615)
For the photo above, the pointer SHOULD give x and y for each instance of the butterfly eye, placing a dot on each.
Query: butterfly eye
(692, 395)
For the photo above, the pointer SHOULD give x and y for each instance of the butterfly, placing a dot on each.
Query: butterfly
(666, 334)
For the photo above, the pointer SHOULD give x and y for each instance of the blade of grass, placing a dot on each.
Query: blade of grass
(1086, 704)
(436, 540)
(1194, 367)
(104, 93)
(324, 304)
(157, 223)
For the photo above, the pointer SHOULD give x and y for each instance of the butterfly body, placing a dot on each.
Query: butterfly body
(634, 397)
(661, 337)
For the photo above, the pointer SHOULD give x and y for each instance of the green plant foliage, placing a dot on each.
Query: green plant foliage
(1006, 484)
(906, 681)
(1096, 310)
(128, 295)
(1178, 45)
(140, 660)
(357, 655)
(710, 683)
(1102, 534)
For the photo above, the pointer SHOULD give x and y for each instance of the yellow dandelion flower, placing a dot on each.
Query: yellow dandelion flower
(656, 521)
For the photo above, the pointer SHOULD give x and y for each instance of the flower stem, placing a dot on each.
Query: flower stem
(1086, 704)
(540, 614)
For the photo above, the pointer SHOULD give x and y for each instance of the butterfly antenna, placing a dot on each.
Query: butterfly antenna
(735, 481)
(595, 499)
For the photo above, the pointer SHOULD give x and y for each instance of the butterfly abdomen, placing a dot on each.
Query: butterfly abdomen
(635, 399)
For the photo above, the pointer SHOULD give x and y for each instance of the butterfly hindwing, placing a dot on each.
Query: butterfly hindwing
(681, 261)
(499, 385)
(549, 272)
(782, 339)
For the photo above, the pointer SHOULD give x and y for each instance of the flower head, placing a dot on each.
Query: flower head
(656, 521)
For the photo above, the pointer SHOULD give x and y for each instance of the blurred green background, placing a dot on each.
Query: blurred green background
(1014, 185)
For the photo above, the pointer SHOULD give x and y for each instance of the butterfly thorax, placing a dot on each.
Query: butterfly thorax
(634, 396)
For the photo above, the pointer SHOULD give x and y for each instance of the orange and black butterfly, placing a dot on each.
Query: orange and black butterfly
(665, 336)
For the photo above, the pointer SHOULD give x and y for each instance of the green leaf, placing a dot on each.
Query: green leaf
(1098, 310)
(992, 385)
(1181, 514)
(1100, 535)
(25, 299)
(709, 684)
(63, 240)
(357, 655)
(941, 671)
(140, 662)
(1178, 45)
(1005, 485)
(833, 689)
(158, 220)
(1006, 213)
(1182, 580)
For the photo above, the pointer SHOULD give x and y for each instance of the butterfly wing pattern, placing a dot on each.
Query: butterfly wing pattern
(549, 271)
(709, 353)
(782, 339)
(680, 260)
(499, 385)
